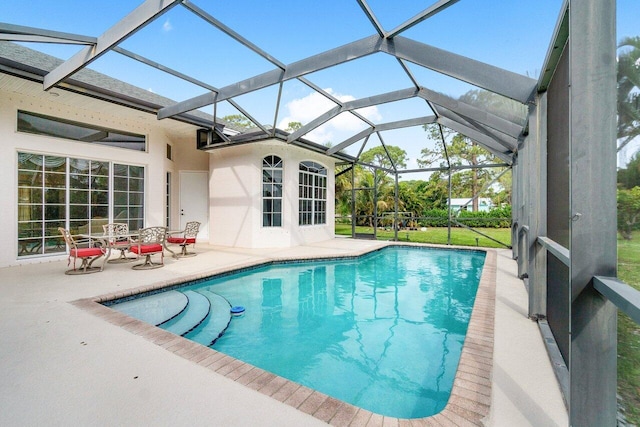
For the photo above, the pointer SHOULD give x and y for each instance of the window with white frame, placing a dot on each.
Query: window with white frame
(128, 195)
(272, 169)
(42, 203)
(312, 194)
(78, 194)
(88, 195)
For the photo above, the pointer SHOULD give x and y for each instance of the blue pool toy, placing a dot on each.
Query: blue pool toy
(237, 310)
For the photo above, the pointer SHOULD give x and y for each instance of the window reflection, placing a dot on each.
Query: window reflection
(72, 193)
(51, 126)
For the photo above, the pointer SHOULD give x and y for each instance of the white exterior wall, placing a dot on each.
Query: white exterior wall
(236, 197)
(186, 158)
(235, 173)
(154, 160)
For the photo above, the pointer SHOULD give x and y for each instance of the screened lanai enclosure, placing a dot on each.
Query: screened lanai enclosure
(558, 139)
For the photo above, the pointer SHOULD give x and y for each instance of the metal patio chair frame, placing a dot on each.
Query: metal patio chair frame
(151, 241)
(187, 237)
(118, 237)
(88, 255)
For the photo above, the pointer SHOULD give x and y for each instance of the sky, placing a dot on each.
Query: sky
(513, 35)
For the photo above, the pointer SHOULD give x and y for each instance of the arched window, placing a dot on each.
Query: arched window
(272, 191)
(312, 194)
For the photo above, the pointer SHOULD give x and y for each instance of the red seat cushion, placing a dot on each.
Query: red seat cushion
(146, 248)
(85, 252)
(179, 240)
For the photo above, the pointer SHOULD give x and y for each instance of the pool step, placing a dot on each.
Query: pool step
(196, 312)
(154, 309)
(215, 324)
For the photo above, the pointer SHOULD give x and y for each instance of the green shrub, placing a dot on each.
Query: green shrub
(434, 218)
(495, 218)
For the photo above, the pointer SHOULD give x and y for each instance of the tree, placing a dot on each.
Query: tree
(504, 195)
(629, 129)
(239, 121)
(628, 211)
(464, 151)
(496, 104)
(343, 190)
(378, 156)
(629, 177)
(628, 91)
(363, 198)
(436, 191)
(461, 151)
(366, 180)
(293, 126)
(411, 197)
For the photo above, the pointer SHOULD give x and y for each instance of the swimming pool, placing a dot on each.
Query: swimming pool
(383, 332)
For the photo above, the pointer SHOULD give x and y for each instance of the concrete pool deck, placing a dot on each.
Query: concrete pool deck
(61, 364)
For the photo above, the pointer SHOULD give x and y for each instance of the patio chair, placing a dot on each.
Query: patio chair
(150, 241)
(185, 238)
(88, 255)
(118, 237)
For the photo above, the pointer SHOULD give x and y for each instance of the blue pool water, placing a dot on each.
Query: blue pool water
(383, 332)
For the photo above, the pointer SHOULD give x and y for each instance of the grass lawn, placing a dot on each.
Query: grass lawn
(438, 235)
(628, 271)
(629, 332)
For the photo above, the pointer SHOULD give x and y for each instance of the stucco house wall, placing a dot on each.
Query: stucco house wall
(235, 173)
(76, 108)
(236, 196)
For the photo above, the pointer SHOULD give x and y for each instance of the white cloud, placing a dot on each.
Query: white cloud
(166, 27)
(305, 109)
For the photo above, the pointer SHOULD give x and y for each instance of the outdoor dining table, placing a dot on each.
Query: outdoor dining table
(121, 242)
(102, 239)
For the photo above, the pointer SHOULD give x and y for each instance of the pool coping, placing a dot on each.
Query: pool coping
(470, 398)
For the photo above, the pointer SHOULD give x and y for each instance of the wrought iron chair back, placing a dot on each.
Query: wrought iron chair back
(88, 255)
(115, 229)
(151, 240)
(191, 229)
(185, 238)
(152, 235)
(118, 237)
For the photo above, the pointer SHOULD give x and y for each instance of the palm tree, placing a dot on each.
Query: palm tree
(628, 91)
(343, 190)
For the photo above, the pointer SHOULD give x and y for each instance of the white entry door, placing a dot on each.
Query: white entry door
(194, 200)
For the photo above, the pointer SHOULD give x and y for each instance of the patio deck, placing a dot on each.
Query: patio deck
(62, 365)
